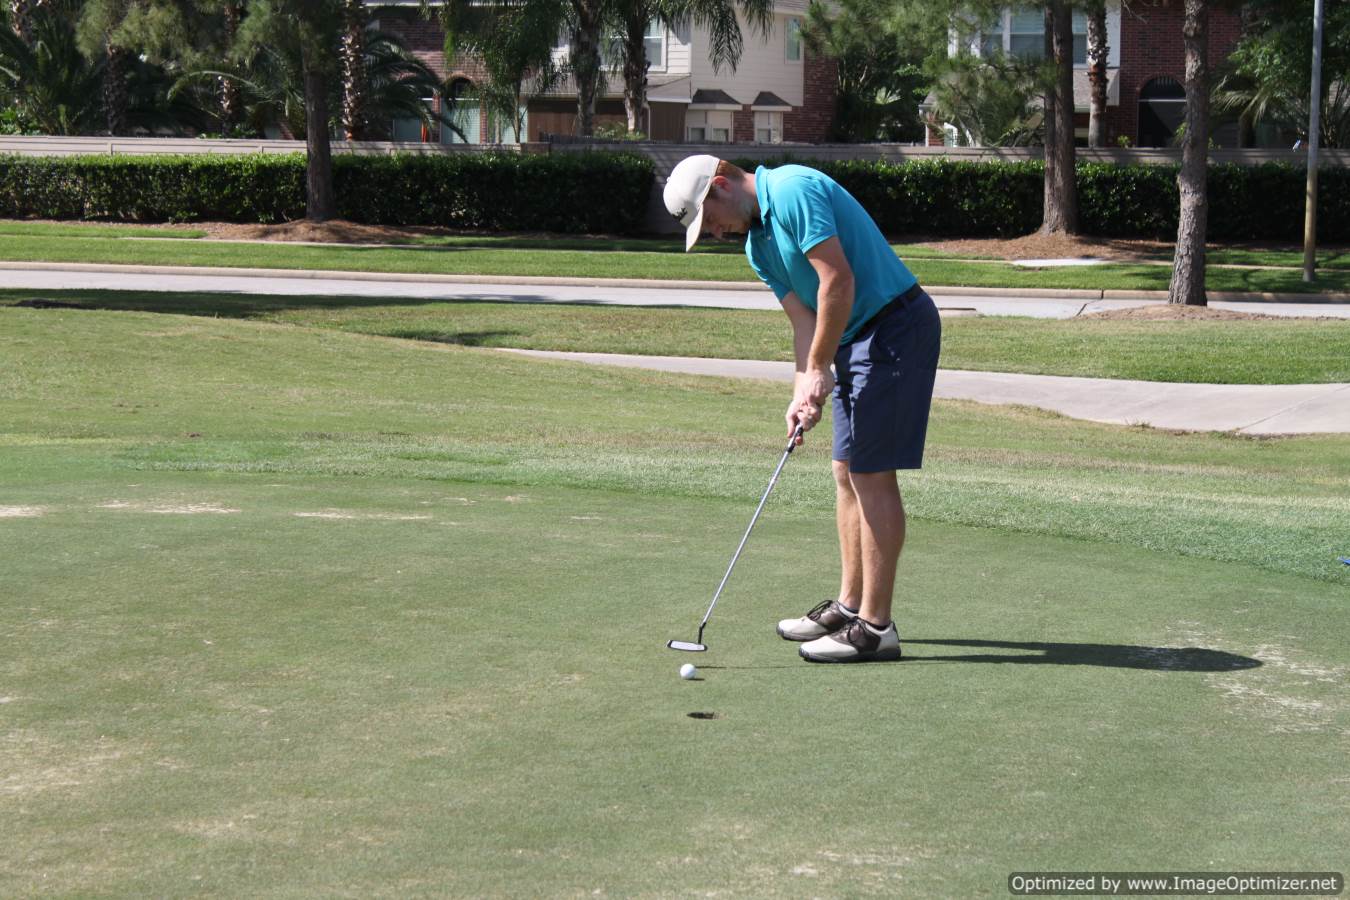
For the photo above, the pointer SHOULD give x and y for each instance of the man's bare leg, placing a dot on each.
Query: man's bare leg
(881, 529)
(848, 517)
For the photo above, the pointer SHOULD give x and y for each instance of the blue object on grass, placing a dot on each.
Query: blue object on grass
(1346, 560)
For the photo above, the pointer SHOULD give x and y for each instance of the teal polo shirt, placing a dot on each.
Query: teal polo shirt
(801, 207)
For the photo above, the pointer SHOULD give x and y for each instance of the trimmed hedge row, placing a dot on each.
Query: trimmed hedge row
(942, 197)
(582, 192)
(608, 193)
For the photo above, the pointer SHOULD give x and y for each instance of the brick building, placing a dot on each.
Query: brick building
(1145, 68)
(779, 92)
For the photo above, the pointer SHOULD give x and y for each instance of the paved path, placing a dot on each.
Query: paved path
(1051, 304)
(1247, 409)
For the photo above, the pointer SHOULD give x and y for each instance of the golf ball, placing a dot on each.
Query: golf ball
(688, 670)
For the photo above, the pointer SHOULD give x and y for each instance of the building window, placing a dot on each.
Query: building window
(1021, 32)
(465, 115)
(769, 127)
(413, 129)
(707, 126)
(793, 31)
(655, 42)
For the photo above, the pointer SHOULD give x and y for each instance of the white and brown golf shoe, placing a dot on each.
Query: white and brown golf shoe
(826, 618)
(855, 642)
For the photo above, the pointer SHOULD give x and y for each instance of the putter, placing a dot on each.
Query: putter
(697, 646)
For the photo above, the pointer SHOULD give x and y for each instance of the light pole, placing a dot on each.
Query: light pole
(1314, 127)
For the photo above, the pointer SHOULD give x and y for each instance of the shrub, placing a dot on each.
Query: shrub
(946, 198)
(566, 192)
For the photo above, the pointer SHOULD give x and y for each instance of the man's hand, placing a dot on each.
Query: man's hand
(808, 402)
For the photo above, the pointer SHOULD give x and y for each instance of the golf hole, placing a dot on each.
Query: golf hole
(705, 715)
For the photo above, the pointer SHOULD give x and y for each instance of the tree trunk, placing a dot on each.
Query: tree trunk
(320, 201)
(586, 64)
(21, 18)
(635, 74)
(1061, 188)
(1188, 266)
(231, 102)
(1048, 100)
(353, 57)
(1096, 57)
(115, 90)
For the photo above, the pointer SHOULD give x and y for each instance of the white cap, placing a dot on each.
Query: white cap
(686, 189)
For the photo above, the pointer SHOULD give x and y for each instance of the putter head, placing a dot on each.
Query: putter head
(687, 646)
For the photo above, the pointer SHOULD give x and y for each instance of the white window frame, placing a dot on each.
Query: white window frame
(660, 38)
(768, 127)
(1004, 33)
(703, 126)
(792, 39)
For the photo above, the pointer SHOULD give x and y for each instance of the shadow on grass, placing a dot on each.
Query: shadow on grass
(1118, 656)
(459, 338)
(249, 306)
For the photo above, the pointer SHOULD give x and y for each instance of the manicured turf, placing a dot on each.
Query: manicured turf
(1293, 351)
(297, 612)
(720, 264)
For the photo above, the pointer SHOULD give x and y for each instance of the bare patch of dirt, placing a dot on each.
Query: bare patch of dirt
(1169, 312)
(1058, 246)
(334, 231)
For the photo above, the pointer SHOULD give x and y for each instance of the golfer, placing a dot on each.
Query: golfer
(852, 303)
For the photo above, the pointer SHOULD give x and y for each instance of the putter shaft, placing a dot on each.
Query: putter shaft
(792, 444)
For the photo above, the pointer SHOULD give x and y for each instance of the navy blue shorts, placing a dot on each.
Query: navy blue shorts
(884, 389)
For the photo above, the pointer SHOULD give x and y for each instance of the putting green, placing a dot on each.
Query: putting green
(290, 613)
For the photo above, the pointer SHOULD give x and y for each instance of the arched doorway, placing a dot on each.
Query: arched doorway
(1162, 109)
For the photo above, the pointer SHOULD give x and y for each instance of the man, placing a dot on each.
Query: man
(852, 303)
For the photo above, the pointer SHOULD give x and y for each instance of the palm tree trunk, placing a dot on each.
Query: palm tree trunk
(320, 201)
(635, 74)
(1096, 54)
(353, 54)
(115, 90)
(231, 102)
(586, 63)
(1061, 189)
(1188, 266)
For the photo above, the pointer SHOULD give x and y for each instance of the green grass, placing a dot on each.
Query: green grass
(1327, 257)
(1293, 351)
(723, 263)
(20, 228)
(410, 641)
(293, 612)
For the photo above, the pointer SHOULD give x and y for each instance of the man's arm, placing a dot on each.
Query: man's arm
(803, 334)
(834, 302)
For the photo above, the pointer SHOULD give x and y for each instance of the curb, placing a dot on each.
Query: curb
(433, 278)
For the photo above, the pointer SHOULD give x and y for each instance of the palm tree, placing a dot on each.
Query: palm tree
(51, 82)
(514, 41)
(718, 17)
(21, 14)
(270, 87)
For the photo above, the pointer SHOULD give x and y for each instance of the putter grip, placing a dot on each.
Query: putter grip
(792, 441)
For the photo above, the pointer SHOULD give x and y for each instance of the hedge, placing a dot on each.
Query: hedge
(960, 199)
(608, 193)
(583, 192)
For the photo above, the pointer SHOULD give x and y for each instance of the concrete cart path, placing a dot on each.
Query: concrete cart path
(1051, 304)
(1246, 409)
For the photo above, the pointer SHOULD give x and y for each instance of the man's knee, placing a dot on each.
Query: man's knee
(842, 478)
(873, 484)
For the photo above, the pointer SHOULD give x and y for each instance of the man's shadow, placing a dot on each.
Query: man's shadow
(1120, 656)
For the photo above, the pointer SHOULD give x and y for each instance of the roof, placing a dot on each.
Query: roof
(711, 97)
(768, 98)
